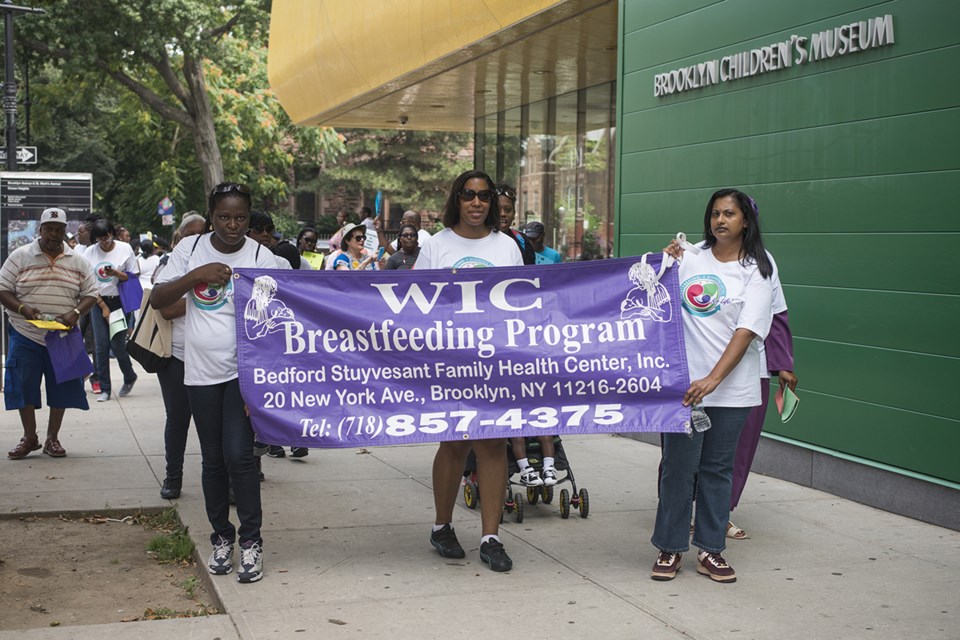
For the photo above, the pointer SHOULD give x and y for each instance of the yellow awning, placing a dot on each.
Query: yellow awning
(367, 63)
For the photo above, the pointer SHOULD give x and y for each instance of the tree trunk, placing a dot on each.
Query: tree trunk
(204, 133)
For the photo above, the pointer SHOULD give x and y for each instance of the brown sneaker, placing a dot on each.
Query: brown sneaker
(666, 566)
(714, 566)
(22, 450)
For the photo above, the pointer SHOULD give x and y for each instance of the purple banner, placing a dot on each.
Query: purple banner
(345, 359)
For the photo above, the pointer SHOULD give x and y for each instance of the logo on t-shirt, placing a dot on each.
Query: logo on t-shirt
(470, 262)
(702, 294)
(100, 270)
(210, 297)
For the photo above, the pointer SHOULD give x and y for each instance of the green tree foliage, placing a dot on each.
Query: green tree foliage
(163, 97)
(412, 168)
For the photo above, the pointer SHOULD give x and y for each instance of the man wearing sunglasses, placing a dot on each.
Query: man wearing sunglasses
(507, 198)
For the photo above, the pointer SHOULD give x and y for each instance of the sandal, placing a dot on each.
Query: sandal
(53, 448)
(736, 533)
(24, 448)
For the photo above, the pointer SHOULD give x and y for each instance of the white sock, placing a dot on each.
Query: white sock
(547, 463)
(524, 464)
(490, 537)
(437, 527)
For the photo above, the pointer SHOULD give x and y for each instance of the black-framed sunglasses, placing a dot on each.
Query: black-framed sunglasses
(510, 193)
(485, 195)
(231, 187)
(408, 235)
(363, 237)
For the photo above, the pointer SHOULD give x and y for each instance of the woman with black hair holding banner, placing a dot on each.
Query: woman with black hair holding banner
(470, 238)
(202, 271)
(726, 295)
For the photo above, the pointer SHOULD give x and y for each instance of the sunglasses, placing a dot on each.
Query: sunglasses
(467, 195)
(510, 193)
(231, 187)
(363, 237)
(408, 235)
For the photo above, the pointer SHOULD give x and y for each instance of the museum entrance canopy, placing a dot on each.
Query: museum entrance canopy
(434, 65)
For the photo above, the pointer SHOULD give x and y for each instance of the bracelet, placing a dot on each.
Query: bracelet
(76, 311)
(20, 308)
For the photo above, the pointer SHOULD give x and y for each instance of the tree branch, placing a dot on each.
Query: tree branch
(215, 33)
(162, 65)
(148, 97)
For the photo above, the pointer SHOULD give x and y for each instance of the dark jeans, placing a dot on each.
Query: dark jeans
(226, 446)
(176, 401)
(86, 330)
(703, 463)
(101, 333)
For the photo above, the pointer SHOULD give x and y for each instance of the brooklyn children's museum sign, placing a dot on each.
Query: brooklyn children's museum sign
(796, 50)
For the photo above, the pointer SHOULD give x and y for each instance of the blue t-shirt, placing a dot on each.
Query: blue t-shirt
(549, 256)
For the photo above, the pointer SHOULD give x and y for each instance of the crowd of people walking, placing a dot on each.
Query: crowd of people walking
(732, 349)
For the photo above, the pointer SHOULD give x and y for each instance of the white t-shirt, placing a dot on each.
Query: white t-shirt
(120, 258)
(447, 250)
(779, 306)
(422, 237)
(717, 299)
(210, 340)
(147, 267)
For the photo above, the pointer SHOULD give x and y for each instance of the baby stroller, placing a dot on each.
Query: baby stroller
(513, 503)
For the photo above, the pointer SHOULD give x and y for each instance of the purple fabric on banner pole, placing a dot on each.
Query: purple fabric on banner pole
(346, 359)
(131, 293)
(68, 355)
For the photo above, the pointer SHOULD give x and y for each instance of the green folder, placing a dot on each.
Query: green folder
(787, 403)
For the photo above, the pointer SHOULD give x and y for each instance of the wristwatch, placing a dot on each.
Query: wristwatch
(76, 311)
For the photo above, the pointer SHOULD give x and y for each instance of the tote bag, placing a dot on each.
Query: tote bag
(68, 355)
(152, 341)
(131, 293)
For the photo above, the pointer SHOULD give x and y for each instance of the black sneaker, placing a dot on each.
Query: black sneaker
(276, 452)
(221, 560)
(299, 452)
(171, 488)
(446, 543)
(260, 470)
(251, 562)
(493, 554)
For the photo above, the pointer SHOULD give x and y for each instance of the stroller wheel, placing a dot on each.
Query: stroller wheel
(518, 507)
(584, 503)
(471, 494)
(547, 495)
(533, 495)
(564, 504)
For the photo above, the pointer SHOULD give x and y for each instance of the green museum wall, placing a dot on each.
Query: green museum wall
(851, 161)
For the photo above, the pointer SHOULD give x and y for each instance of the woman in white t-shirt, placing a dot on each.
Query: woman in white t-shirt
(470, 239)
(726, 295)
(202, 270)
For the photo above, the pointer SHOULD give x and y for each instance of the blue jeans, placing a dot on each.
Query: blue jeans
(701, 463)
(176, 401)
(101, 334)
(226, 447)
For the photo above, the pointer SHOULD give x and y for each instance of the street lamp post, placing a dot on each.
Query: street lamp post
(9, 100)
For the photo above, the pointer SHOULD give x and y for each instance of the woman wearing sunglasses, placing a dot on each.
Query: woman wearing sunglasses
(409, 250)
(470, 239)
(201, 270)
(354, 256)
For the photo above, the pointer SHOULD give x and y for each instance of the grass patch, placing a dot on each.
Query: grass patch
(164, 613)
(172, 544)
(190, 585)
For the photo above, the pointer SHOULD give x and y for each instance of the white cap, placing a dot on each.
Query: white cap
(53, 215)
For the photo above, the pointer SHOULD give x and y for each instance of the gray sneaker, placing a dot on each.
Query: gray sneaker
(221, 560)
(127, 388)
(251, 562)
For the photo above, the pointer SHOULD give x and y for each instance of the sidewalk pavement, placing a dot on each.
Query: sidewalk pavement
(347, 552)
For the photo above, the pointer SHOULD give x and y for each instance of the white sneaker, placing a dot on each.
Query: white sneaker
(549, 475)
(251, 562)
(103, 397)
(221, 560)
(529, 477)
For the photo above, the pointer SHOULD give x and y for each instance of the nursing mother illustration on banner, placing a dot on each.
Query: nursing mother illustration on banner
(433, 355)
